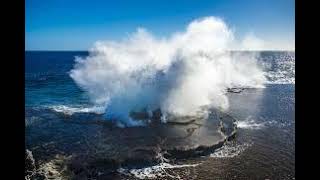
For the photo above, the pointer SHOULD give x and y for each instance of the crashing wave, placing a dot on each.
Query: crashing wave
(178, 74)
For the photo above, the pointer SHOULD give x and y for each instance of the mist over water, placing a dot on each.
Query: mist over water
(181, 74)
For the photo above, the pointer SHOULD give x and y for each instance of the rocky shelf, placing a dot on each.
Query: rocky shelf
(96, 145)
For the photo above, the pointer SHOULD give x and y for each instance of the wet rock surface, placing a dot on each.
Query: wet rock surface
(235, 90)
(95, 147)
(30, 165)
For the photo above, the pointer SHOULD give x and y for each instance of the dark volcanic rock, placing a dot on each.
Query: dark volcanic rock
(235, 90)
(30, 165)
(31, 171)
(101, 148)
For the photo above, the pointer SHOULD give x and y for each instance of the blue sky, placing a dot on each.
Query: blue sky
(77, 24)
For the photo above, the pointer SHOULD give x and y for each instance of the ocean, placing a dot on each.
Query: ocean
(70, 136)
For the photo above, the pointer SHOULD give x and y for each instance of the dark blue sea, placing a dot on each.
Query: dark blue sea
(48, 81)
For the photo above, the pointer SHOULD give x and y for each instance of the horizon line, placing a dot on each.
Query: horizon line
(227, 50)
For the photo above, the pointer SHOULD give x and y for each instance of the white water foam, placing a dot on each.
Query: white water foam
(156, 171)
(249, 123)
(178, 74)
(230, 150)
(69, 110)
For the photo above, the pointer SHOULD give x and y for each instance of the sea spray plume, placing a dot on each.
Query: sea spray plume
(180, 74)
